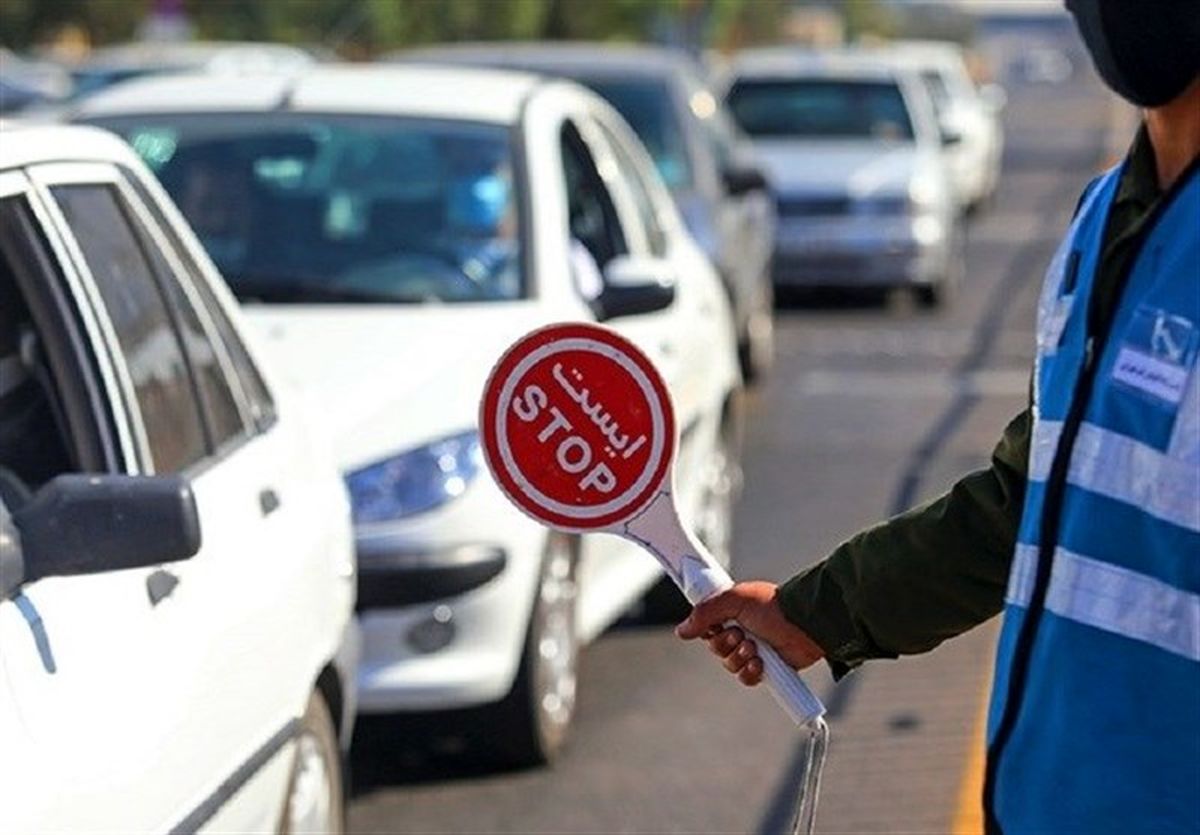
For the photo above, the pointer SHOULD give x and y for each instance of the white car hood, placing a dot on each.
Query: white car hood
(825, 167)
(387, 379)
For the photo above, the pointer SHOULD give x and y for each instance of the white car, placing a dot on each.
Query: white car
(969, 116)
(391, 230)
(851, 147)
(177, 642)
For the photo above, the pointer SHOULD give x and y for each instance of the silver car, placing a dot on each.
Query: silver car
(852, 150)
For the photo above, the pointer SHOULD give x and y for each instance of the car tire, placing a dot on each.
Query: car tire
(315, 800)
(756, 344)
(530, 726)
(930, 296)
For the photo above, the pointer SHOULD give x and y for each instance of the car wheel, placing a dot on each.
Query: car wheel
(664, 602)
(533, 721)
(315, 802)
(756, 345)
(929, 296)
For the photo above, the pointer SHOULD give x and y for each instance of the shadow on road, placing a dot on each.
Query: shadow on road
(418, 749)
(795, 299)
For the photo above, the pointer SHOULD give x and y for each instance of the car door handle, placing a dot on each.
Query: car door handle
(268, 501)
(160, 584)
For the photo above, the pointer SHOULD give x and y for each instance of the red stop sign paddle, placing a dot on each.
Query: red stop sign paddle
(579, 433)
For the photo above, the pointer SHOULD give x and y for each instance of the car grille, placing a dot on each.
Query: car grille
(812, 206)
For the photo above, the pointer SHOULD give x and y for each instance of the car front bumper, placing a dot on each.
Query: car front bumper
(860, 251)
(443, 604)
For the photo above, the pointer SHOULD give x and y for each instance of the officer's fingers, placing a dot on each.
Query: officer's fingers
(736, 660)
(725, 641)
(752, 673)
(712, 612)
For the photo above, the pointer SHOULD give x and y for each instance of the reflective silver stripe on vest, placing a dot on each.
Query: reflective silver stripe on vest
(1113, 599)
(1121, 468)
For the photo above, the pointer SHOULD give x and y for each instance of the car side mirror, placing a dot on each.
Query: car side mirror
(87, 524)
(743, 179)
(634, 285)
(994, 97)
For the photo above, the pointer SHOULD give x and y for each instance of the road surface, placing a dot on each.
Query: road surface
(870, 408)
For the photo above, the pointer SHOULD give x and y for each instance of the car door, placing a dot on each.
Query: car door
(692, 330)
(283, 576)
(86, 705)
(233, 691)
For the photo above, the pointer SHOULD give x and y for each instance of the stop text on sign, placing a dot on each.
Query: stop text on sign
(578, 426)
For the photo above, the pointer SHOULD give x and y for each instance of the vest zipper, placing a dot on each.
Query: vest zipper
(1097, 333)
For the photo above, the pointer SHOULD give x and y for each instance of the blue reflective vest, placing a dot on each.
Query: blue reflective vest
(1094, 724)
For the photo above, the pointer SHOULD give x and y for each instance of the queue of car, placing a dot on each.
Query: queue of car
(176, 566)
(294, 449)
(852, 148)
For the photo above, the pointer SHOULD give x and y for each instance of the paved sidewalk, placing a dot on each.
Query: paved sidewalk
(905, 756)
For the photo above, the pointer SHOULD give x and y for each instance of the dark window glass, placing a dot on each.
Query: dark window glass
(33, 430)
(593, 217)
(161, 378)
(632, 176)
(216, 395)
(821, 108)
(650, 110)
(262, 407)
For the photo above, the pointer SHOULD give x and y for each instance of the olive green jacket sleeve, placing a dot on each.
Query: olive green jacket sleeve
(929, 574)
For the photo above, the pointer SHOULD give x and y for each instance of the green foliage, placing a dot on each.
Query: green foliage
(363, 27)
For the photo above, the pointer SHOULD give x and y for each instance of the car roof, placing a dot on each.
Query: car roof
(28, 144)
(408, 90)
(787, 62)
(151, 54)
(928, 54)
(592, 58)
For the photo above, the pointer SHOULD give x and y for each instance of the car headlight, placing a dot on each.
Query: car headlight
(416, 480)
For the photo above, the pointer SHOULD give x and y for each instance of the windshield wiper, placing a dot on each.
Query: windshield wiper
(281, 290)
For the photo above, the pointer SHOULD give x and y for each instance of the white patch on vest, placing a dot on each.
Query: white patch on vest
(1156, 355)
(1159, 378)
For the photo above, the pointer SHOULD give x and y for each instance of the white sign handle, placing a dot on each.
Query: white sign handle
(699, 576)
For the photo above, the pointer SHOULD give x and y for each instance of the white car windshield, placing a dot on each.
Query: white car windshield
(298, 208)
(820, 108)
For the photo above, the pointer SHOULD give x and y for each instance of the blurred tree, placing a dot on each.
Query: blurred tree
(867, 18)
(26, 22)
(364, 27)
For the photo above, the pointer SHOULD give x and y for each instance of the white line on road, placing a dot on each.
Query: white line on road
(824, 341)
(908, 384)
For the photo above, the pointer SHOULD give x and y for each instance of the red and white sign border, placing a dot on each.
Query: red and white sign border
(494, 423)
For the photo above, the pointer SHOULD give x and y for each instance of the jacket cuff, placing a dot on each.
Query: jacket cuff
(813, 601)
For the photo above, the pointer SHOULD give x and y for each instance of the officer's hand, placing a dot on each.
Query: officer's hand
(753, 606)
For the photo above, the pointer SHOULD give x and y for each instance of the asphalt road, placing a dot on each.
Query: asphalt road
(871, 407)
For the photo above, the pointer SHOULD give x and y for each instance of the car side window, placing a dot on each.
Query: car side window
(643, 199)
(217, 399)
(592, 215)
(36, 437)
(162, 378)
(254, 388)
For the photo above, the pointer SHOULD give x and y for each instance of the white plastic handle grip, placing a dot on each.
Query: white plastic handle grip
(788, 688)
(700, 582)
